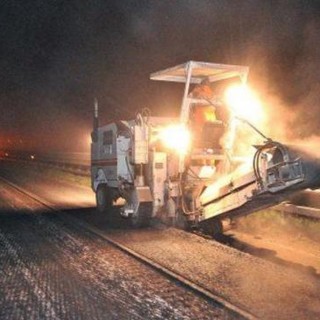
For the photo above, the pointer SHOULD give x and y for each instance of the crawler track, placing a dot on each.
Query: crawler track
(190, 286)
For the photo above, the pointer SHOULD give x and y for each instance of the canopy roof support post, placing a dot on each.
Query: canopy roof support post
(185, 109)
(184, 113)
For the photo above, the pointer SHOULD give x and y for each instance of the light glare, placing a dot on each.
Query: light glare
(244, 103)
(176, 137)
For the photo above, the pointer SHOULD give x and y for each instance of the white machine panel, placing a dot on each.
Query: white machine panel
(159, 175)
(140, 146)
(124, 168)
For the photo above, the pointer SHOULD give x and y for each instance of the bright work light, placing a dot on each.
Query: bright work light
(176, 137)
(244, 103)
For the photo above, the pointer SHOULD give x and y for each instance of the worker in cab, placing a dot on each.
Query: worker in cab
(207, 121)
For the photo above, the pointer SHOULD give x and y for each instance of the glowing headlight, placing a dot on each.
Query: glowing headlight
(244, 103)
(176, 137)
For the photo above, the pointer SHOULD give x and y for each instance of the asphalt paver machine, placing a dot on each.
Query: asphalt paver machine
(186, 169)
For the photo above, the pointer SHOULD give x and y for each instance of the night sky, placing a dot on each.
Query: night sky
(56, 56)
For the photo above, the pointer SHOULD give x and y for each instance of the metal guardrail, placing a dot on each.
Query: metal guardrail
(68, 164)
(290, 208)
(80, 169)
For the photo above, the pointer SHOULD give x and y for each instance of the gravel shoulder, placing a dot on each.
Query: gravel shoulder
(296, 252)
(267, 290)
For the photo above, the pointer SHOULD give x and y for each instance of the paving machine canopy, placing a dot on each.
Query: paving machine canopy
(196, 72)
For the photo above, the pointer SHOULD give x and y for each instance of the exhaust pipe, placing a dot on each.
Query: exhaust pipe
(94, 133)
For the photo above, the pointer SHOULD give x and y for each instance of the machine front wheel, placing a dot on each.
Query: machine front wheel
(143, 217)
(213, 227)
(181, 221)
(104, 199)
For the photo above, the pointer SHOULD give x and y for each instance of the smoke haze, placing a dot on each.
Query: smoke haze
(55, 57)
